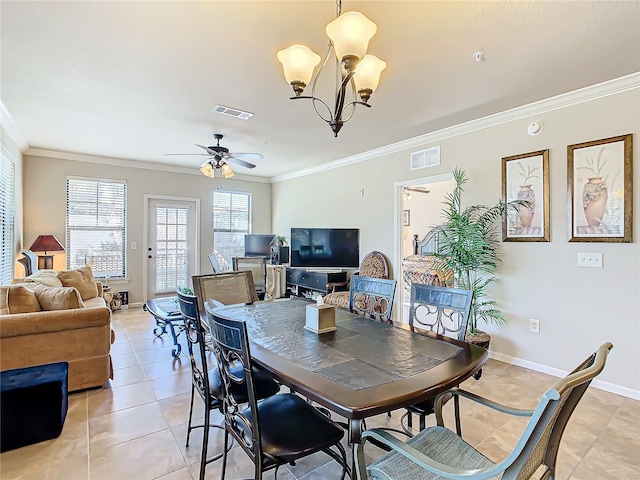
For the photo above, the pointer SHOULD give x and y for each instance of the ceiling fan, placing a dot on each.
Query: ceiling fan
(406, 195)
(218, 158)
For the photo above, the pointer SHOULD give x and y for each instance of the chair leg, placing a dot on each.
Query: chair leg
(422, 419)
(189, 428)
(224, 453)
(205, 442)
(409, 421)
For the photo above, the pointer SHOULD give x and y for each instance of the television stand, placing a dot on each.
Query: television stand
(301, 280)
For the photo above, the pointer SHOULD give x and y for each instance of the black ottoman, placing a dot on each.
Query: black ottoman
(34, 404)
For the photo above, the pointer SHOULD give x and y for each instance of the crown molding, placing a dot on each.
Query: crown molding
(11, 127)
(121, 162)
(586, 94)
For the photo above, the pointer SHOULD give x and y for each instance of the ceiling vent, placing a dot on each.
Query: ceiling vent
(425, 158)
(232, 112)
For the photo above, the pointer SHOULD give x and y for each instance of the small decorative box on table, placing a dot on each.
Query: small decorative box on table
(321, 318)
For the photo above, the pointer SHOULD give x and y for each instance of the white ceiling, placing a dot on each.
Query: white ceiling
(136, 80)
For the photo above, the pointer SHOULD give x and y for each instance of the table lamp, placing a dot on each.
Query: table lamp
(46, 243)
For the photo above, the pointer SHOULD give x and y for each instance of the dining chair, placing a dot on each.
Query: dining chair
(207, 381)
(438, 453)
(258, 268)
(226, 288)
(277, 430)
(373, 265)
(444, 311)
(372, 297)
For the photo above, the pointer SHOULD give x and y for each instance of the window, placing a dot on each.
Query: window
(231, 222)
(172, 248)
(7, 185)
(96, 225)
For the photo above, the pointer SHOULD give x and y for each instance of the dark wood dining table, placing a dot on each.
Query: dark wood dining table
(362, 369)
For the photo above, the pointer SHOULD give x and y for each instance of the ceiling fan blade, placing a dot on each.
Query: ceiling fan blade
(246, 156)
(208, 150)
(203, 154)
(233, 159)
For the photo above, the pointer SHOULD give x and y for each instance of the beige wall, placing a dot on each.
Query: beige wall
(578, 308)
(45, 205)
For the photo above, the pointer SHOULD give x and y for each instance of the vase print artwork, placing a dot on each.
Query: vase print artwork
(525, 214)
(594, 200)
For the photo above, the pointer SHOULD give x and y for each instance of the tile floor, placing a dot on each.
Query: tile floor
(135, 427)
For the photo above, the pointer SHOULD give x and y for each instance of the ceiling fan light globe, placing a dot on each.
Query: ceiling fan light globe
(226, 171)
(350, 34)
(298, 63)
(367, 76)
(207, 170)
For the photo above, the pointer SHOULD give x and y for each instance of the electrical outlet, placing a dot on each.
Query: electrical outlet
(593, 260)
(534, 325)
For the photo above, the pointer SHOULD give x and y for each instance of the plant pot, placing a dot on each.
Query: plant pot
(479, 338)
(594, 200)
(526, 214)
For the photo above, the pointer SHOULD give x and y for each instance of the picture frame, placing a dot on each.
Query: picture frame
(600, 190)
(526, 177)
(406, 218)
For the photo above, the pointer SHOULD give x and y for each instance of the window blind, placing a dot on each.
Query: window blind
(96, 225)
(7, 193)
(231, 222)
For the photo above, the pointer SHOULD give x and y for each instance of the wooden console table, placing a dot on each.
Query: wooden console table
(301, 280)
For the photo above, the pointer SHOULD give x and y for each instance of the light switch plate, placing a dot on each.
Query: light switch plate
(593, 260)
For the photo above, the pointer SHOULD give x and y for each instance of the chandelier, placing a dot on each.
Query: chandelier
(356, 72)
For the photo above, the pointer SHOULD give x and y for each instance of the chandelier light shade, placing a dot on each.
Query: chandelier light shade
(298, 62)
(209, 168)
(46, 243)
(357, 72)
(350, 34)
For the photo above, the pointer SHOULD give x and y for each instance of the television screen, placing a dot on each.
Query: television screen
(325, 247)
(257, 245)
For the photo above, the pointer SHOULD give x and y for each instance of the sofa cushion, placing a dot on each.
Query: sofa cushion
(58, 298)
(18, 299)
(82, 279)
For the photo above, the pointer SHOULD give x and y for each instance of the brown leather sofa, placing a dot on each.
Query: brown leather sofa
(80, 336)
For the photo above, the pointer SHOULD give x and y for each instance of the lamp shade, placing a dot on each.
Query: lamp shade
(367, 75)
(46, 243)
(350, 34)
(207, 170)
(298, 63)
(226, 171)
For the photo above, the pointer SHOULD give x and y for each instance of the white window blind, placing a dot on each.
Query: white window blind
(231, 222)
(96, 225)
(7, 192)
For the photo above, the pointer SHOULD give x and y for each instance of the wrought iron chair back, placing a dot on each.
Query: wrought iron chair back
(442, 310)
(258, 268)
(372, 297)
(226, 288)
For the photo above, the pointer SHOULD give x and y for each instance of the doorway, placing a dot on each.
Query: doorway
(171, 249)
(419, 203)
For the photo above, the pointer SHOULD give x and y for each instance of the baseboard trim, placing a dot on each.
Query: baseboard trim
(556, 372)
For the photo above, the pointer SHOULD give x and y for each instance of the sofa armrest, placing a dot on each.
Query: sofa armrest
(100, 289)
(18, 324)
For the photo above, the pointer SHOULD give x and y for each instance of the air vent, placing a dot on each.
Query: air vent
(425, 158)
(232, 112)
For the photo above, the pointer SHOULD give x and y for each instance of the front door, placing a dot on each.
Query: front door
(171, 244)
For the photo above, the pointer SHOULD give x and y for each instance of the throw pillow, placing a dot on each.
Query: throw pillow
(21, 300)
(82, 279)
(45, 277)
(58, 298)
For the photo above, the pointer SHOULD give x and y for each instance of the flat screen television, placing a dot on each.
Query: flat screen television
(325, 247)
(257, 245)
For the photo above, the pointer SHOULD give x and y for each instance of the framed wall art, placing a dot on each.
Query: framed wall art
(600, 189)
(526, 177)
(406, 218)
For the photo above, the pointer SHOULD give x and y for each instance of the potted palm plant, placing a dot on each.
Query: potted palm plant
(468, 245)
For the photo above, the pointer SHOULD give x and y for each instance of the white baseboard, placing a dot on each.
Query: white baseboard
(556, 372)
(136, 305)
